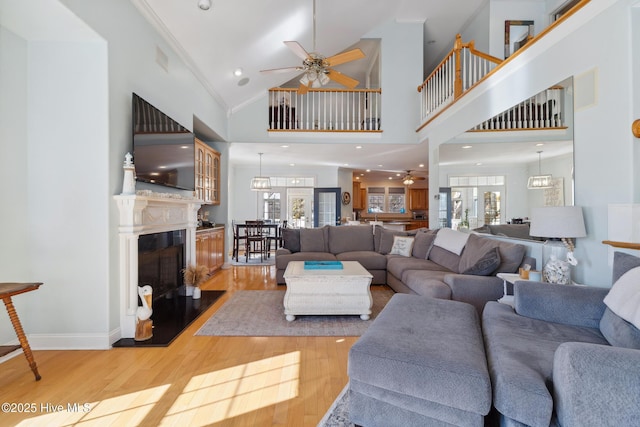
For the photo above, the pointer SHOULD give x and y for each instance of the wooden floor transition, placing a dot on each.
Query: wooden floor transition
(196, 381)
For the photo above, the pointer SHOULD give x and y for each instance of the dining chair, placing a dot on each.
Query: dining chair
(236, 240)
(255, 240)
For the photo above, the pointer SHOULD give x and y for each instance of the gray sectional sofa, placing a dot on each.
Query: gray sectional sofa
(561, 357)
(431, 269)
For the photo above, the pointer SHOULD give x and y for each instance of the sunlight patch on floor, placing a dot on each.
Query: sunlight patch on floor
(227, 393)
(129, 409)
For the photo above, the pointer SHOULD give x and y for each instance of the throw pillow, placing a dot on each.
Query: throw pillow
(291, 239)
(386, 239)
(624, 297)
(422, 245)
(451, 240)
(486, 264)
(402, 245)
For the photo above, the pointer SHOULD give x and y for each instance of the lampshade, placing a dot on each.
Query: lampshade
(259, 183)
(557, 222)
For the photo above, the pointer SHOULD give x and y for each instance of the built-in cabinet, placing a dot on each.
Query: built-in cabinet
(359, 197)
(413, 225)
(207, 173)
(210, 248)
(418, 199)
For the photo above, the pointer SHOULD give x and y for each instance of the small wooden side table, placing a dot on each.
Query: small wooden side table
(7, 290)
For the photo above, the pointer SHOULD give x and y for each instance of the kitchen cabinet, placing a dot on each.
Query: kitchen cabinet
(359, 197)
(418, 199)
(210, 248)
(207, 164)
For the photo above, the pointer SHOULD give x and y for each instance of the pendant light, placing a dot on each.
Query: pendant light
(260, 183)
(539, 182)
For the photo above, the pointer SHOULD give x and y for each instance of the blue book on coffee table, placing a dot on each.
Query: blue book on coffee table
(323, 265)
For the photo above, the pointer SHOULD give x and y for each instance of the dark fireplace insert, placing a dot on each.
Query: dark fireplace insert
(161, 260)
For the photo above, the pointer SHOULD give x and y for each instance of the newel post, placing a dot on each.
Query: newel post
(457, 51)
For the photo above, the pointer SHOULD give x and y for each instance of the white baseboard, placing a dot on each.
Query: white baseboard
(71, 341)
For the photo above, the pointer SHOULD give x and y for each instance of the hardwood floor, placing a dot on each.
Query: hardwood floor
(197, 381)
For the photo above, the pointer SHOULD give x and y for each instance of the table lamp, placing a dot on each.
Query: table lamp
(559, 225)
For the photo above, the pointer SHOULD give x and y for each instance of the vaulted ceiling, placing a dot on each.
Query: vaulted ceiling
(248, 34)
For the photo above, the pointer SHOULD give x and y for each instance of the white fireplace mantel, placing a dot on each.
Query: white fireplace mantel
(147, 213)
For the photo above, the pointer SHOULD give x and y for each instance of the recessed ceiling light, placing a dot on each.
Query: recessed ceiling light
(284, 146)
(466, 146)
(478, 164)
(204, 4)
(539, 144)
(421, 165)
(357, 177)
(379, 166)
(358, 147)
(368, 170)
(292, 164)
(185, 146)
(345, 164)
(390, 177)
(237, 72)
(162, 167)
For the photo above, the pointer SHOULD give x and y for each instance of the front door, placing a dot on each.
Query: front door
(326, 206)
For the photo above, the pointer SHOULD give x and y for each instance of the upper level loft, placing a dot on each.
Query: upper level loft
(462, 69)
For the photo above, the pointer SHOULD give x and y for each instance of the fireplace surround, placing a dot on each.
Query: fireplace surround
(147, 213)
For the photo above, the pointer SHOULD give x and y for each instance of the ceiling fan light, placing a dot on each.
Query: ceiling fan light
(316, 84)
(324, 79)
(408, 181)
(304, 80)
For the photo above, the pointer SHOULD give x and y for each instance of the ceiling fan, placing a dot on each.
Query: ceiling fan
(409, 178)
(317, 68)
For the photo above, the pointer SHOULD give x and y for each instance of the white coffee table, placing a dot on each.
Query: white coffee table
(327, 292)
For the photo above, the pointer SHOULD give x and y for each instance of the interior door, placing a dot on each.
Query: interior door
(326, 206)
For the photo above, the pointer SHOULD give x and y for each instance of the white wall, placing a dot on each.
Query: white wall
(14, 247)
(70, 108)
(596, 37)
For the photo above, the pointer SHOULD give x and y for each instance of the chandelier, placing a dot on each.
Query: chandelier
(539, 182)
(259, 183)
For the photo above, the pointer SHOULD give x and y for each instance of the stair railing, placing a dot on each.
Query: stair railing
(460, 70)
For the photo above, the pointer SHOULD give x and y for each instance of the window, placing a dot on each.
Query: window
(396, 200)
(375, 199)
(390, 200)
(271, 206)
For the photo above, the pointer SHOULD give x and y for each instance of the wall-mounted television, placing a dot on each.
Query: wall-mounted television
(163, 150)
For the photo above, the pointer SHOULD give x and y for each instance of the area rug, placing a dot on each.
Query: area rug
(242, 261)
(338, 413)
(261, 314)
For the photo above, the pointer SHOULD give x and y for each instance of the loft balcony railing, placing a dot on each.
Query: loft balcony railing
(462, 68)
(325, 110)
(542, 111)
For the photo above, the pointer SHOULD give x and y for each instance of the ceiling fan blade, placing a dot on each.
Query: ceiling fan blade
(341, 58)
(342, 79)
(303, 89)
(297, 49)
(282, 70)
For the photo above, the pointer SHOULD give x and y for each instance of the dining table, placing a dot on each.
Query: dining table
(271, 232)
